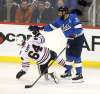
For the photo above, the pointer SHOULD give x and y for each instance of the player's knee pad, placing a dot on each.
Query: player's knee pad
(53, 54)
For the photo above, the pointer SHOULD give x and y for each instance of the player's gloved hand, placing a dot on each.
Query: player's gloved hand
(35, 28)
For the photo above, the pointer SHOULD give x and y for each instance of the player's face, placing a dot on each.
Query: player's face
(61, 13)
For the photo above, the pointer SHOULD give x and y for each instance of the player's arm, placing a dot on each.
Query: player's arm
(24, 54)
(75, 27)
(76, 22)
(50, 27)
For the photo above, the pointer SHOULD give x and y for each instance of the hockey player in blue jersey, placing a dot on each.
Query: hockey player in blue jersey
(72, 29)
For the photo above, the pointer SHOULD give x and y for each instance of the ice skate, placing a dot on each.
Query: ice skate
(78, 79)
(20, 73)
(54, 77)
(66, 75)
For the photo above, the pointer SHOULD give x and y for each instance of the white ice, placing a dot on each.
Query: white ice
(10, 85)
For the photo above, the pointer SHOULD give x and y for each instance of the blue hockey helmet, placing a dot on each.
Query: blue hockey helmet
(63, 9)
(62, 12)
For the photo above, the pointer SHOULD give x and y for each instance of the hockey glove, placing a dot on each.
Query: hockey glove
(35, 28)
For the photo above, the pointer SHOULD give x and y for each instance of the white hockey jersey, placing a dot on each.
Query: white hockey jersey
(34, 49)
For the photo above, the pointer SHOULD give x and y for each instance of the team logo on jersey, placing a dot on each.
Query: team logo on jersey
(66, 27)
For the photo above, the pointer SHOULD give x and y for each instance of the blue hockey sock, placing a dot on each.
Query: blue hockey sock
(78, 70)
(68, 69)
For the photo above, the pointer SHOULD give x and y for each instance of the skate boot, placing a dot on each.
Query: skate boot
(66, 75)
(20, 73)
(54, 77)
(78, 79)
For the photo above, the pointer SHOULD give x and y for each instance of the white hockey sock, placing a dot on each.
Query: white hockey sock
(25, 66)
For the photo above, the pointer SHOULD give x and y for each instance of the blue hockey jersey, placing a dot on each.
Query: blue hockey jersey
(70, 26)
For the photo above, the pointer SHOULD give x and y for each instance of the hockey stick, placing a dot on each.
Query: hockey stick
(29, 86)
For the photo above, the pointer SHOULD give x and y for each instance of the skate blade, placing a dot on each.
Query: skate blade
(56, 80)
(54, 77)
(78, 81)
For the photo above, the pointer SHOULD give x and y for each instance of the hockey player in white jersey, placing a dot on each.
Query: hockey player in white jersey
(34, 49)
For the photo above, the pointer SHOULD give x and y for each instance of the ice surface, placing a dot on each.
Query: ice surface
(10, 85)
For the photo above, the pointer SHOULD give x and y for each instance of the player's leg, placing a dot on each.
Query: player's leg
(78, 67)
(59, 60)
(44, 70)
(68, 66)
(54, 77)
(63, 63)
(77, 59)
(44, 67)
(69, 59)
(24, 69)
(52, 74)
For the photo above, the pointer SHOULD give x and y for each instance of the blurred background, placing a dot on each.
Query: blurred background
(45, 11)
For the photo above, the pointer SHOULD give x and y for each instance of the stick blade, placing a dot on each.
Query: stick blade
(28, 86)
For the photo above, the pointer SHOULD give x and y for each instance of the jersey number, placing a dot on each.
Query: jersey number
(35, 54)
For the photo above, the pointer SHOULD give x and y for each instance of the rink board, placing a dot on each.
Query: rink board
(8, 59)
(9, 50)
